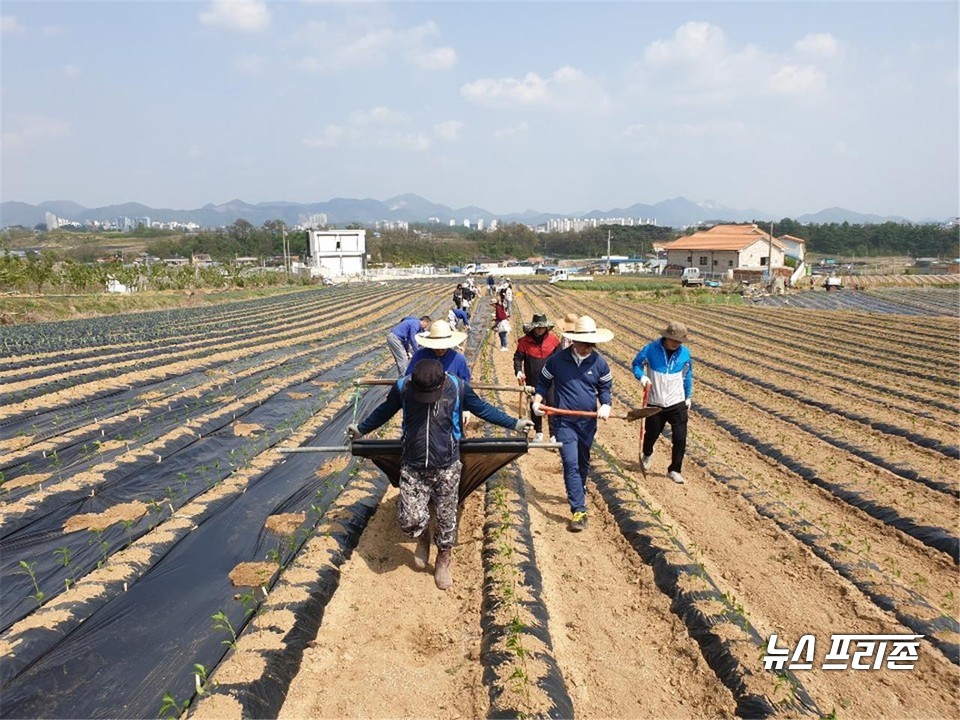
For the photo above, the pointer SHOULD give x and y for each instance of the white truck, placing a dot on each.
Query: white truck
(561, 275)
(691, 277)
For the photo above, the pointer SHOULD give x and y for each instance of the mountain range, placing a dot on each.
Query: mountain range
(677, 212)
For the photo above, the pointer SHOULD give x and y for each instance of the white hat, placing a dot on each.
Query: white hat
(440, 336)
(585, 330)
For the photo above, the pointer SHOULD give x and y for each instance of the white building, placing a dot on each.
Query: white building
(337, 253)
(726, 247)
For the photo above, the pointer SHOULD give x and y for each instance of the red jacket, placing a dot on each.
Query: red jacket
(532, 353)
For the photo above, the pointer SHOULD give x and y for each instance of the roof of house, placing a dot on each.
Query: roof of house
(794, 239)
(723, 237)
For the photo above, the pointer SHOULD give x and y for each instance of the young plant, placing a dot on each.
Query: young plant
(29, 568)
(222, 622)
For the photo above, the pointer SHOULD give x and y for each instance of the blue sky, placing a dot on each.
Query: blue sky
(788, 108)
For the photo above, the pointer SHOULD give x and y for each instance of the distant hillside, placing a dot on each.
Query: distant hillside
(675, 212)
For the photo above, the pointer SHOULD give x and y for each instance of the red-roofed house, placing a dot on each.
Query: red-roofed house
(726, 247)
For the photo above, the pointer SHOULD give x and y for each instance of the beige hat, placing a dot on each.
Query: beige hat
(585, 330)
(569, 320)
(440, 336)
(675, 331)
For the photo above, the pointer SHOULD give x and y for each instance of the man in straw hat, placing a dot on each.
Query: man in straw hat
(666, 367)
(533, 348)
(580, 378)
(439, 343)
(432, 402)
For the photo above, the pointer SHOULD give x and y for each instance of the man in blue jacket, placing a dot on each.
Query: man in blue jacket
(581, 379)
(432, 402)
(402, 339)
(666, 367)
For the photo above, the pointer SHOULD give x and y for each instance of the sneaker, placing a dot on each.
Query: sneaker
(578, 522)
(421, 556)
(441, 573)
(503, 349)
(646, 461)
(553, 438)
(675, 476)
(538, 437)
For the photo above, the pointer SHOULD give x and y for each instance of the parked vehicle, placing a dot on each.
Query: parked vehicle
(691, 277)
(562, 275)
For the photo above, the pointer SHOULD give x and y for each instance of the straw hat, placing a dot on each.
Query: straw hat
(569, 320)
(440, 336)
(539, 320)
(585, 330)
(675, 331)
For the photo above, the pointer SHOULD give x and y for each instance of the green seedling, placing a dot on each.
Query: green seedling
(222, 622)
(29, 568)
(169, 708)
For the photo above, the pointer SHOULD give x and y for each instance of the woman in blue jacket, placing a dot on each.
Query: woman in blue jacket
(665, 366)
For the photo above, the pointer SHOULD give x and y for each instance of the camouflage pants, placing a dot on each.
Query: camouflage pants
(421, 487)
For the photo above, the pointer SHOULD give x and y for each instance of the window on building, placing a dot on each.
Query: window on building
(729, 263)
(714, 263)
(703, 259)
(763, 261)
(689, 258)
(338, 244)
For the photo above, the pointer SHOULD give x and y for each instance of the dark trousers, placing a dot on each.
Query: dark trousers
(676, 415)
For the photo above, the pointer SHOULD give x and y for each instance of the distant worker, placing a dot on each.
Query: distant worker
(581, 379)
(459, 319)
(533, 348)
(491, 285)
(566, 325)
(432, 402)
(665, 365)
(402, 340)
(501, 323)
(439, 343)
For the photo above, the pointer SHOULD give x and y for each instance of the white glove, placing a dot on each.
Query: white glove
(535, 406)
(520, 376)
(645, 381)
(604, 412)
(523, 425)
(353, 431)
(689, 402)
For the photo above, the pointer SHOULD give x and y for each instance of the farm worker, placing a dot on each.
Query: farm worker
(566, 325)
(459, 318)
(533, 348)
(402, 340)
(458, 296)
(490, 284)
(432, 402)
(580, 378)
(666, 367)
(439, 343)
(501, 322)
(507, 295)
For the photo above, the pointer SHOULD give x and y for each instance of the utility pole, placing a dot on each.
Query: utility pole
(609, 264)
(770, 255)
(283, 236)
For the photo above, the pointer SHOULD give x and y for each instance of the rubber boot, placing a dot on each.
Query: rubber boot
(441, 574)
(421, 556)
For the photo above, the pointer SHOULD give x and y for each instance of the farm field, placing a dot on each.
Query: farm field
(158, 555)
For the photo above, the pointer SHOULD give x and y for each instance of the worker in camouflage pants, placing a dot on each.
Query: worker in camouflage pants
(421, 487)
(433, 402)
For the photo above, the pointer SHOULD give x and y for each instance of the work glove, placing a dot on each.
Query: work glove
(523, 425)
(689, 402)
(353, 431)
(535, 406)
(645, 381)
(604, 412)
(520, 376)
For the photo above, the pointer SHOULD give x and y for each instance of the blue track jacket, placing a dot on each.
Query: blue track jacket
(407, 330)
(576, 387)
(671, 378)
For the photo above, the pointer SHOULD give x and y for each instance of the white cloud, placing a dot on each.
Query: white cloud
(242, 15)
(377, 127)
(10, 24)
(32, 129)
(667, 136)
(798, 80)
(378, 116)
(194, 151)
(364, 44)
(821, 45)
(250, 64)
(567, 88)
(71, 71)
(449, 130)
(53, 31)
(511, 133)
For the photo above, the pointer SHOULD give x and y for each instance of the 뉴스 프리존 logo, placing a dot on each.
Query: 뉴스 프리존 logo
(847, 651)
